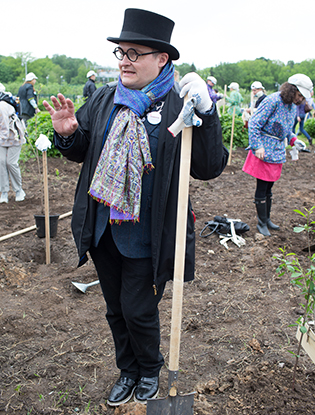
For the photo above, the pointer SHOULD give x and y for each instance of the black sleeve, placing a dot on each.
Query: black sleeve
(209, 155)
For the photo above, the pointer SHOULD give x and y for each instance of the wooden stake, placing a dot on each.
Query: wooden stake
(251, 102)
(225, 89)
(47, 219)
(232, 133)
(180, 247)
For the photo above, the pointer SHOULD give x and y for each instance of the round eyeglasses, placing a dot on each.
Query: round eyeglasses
(131, 53)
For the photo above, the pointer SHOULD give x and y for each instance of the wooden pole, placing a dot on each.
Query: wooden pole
(225, 89)
(180, 247)
(251, 102)
(232, 133)
(46, 197)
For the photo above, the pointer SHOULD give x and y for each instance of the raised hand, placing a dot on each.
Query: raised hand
(62, 115)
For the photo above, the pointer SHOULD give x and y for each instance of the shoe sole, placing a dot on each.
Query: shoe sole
(145, 402)
(109, 403)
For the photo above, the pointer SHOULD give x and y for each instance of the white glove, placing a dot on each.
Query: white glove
(196, 88)
(299, 145)
(186, 118)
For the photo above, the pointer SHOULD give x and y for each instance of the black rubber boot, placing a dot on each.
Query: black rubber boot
(269, 223)
(261, 208)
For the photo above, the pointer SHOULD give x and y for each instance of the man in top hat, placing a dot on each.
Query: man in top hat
(126, 219)
(89, 87)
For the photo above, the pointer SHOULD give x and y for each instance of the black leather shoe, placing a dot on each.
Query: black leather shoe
(121, 392)
(146, 388)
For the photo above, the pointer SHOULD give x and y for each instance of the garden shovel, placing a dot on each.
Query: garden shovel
(175, 404)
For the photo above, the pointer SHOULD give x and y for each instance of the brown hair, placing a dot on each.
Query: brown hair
(288, 92)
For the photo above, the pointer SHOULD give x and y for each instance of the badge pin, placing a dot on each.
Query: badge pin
(154, 118)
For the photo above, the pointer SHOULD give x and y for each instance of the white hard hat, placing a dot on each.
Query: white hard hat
(212, 79)
(2, 87)
(90, 73)
(234, 85)
(257, 85)
(30, 76)
(303, 84)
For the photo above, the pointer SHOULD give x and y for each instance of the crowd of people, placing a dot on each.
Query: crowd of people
(125, 220)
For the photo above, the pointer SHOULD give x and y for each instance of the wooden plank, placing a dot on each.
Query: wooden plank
(308, 341)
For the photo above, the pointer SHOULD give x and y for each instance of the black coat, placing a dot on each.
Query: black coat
(208, 160)
(25, 94)
(89, 89)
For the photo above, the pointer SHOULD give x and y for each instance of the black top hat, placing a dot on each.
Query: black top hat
(148, 29)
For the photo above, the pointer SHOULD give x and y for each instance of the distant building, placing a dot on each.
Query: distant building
(108, 76)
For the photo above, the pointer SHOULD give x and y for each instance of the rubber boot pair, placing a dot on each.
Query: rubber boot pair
(263, 207)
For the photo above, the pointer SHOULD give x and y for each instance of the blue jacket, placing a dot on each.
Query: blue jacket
(270, 125)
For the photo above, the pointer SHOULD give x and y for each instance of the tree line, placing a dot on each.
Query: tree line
(61, 73)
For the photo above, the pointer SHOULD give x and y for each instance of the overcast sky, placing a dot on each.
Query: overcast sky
(206, 32)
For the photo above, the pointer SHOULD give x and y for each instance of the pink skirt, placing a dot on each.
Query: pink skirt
(269, 172)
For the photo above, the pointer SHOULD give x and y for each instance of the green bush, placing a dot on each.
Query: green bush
(39, 124)
(310, 127)
(240, 136)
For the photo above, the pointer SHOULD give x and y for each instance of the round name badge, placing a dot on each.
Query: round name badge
(154, 118)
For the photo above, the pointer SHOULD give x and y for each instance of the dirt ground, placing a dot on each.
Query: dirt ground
(56, 350)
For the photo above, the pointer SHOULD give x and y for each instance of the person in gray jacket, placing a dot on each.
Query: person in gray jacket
(125, 205)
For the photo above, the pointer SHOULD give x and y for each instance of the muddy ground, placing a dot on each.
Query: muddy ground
(56, 350)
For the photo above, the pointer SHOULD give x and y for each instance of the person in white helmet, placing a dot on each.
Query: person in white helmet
(89, 87)
(258, 95)
(268, 130)
(235, 99)
(28, 98)
(258, 92)
(211, 81)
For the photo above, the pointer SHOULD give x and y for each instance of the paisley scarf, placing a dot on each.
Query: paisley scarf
(126, 154)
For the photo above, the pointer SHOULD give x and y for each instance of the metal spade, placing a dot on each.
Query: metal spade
(83, 287)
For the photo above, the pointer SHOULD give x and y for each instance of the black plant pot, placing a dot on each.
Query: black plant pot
(40, 225)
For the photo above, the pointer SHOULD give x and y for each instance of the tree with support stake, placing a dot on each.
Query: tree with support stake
(43, 144)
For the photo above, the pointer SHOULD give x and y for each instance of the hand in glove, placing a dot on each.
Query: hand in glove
(299, 145)
(196, 88)
(186, 118)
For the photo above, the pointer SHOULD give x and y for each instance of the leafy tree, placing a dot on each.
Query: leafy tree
(225, 73)
(185, 68)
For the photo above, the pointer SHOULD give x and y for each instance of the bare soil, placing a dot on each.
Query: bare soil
(56, 350)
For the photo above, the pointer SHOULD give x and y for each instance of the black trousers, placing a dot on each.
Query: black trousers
(132, 308)
(263, 189)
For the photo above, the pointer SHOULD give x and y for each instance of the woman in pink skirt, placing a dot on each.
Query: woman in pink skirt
(270, 125)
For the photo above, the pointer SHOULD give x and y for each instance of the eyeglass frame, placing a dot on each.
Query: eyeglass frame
(137, 54)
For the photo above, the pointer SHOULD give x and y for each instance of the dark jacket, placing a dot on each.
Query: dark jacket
(26, 94)
(209, 158)
(89, 89)
(259, 100)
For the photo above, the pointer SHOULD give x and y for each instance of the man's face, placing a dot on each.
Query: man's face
(92, 77)
(136, 75)
(299, 98)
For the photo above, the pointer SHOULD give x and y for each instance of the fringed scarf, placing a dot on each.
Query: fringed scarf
(126, 154)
